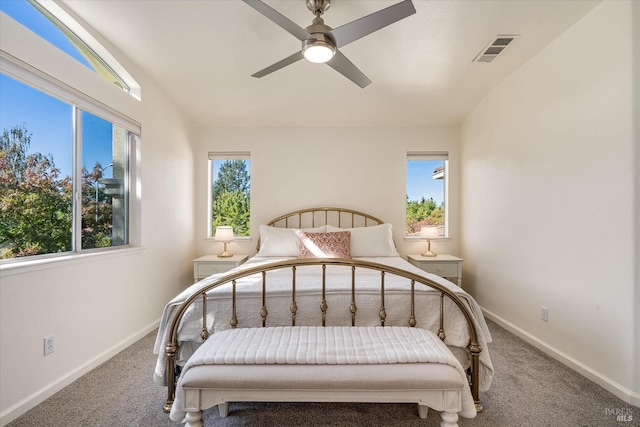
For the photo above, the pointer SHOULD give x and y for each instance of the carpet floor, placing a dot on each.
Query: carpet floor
(529, 389)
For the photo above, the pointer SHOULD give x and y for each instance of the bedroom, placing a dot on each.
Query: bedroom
(519, 252)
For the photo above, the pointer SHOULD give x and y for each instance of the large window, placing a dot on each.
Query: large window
(426, 192)
(230, 192)
(51, 150)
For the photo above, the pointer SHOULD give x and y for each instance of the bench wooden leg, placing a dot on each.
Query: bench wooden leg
(224, 409)
(193, 419)
(449, 419)
(423, 410)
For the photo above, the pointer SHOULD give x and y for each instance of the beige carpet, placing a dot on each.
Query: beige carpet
(529, 389)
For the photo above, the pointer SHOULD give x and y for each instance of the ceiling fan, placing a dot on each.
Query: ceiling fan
(320, 43)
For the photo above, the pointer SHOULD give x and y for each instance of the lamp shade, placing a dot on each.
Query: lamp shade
(429, 233)
(224, 233)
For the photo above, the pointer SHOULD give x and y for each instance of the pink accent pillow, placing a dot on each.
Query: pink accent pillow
(325, 245)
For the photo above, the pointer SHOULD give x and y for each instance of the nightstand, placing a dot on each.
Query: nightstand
(207, 265)
(447, 266)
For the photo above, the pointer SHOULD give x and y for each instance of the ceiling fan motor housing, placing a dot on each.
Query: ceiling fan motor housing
(319, 49)
(319, 31)
(318, 6)
(319, 39)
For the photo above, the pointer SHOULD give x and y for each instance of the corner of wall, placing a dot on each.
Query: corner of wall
(635, 28)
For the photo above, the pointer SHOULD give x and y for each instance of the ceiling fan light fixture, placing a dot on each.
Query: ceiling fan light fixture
(318, 51)
(320, 43)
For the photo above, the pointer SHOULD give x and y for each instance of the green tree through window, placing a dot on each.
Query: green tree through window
(423, 213)
(231, 196)
(36, 205)
(35, 202)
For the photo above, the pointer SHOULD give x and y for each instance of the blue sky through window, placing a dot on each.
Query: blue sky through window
(97, 140)
(30, 17)
(420, 182)
(49, 121)
(218, 163)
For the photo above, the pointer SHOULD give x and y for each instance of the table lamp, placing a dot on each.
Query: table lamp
(224, 233)
(429, 233)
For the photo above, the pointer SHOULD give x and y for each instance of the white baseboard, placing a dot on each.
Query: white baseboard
(621, 392)
(14, 411)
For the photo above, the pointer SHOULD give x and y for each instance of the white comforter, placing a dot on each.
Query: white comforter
(308, 297)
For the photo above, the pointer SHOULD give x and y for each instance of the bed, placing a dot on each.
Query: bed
(370, 241)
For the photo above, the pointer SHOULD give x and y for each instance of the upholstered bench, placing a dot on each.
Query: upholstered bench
(323, 364)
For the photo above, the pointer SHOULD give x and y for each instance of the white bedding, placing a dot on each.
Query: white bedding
(308, 297)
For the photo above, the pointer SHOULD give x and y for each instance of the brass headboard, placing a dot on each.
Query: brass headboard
(317, 217)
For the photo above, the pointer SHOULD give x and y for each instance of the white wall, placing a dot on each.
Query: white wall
(357, 168)
(96, 306)
(549, 213)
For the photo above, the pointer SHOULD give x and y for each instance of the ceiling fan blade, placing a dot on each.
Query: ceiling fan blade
(359, 28)
(284, 22)
(280, 64)
(341, 64)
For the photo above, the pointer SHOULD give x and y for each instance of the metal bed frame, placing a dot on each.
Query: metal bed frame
(314, 217)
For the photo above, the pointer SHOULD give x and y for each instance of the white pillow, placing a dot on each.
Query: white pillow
(373, 241)
(275, 241)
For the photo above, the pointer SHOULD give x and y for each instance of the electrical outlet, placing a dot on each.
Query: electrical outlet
(48, 345)
(544, 314)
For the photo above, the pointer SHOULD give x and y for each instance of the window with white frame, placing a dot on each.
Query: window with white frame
(426, 192)
(64, 175)
(229, 187)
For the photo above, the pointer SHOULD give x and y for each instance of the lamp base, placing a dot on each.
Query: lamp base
(224, 253)
(429, 253)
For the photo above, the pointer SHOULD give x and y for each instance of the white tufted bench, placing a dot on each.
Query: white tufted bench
(323, 364)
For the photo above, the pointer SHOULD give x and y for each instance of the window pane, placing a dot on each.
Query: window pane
(36, 156)
(425, 195)
(39, 20)
(23, 12)
(104, 169)
(231, 195)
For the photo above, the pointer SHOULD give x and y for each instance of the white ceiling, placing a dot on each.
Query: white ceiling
(203, 53)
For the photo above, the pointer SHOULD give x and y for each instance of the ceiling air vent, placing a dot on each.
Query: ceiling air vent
(491, 51)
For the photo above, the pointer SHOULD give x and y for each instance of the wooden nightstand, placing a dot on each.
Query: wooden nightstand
(447, 266)
(207, 265)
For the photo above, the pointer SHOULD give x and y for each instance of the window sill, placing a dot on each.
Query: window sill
(29, 265)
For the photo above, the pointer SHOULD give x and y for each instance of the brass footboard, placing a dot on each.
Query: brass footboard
(473, 345)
